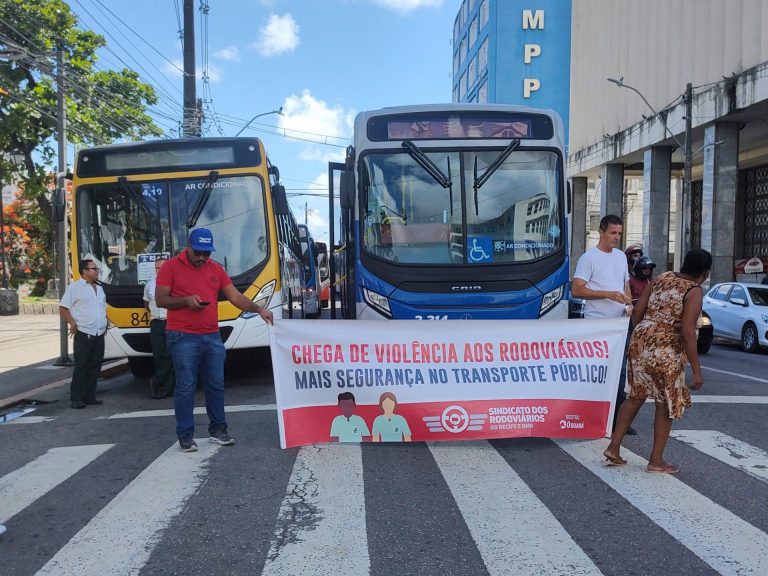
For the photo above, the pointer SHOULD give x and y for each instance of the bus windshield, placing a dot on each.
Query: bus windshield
(411, 216)
(123, 226)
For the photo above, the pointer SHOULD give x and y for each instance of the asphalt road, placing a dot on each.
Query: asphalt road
(105, 490)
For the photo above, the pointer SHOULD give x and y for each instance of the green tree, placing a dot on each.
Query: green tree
(101, 105)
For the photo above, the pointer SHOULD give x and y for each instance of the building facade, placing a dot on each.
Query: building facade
(627, 139)
(513, 52)
(689, 74)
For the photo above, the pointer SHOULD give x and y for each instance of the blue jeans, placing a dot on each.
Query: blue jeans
(197, 356)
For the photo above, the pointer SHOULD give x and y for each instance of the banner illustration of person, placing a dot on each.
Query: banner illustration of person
(390, 427)
(347, 426)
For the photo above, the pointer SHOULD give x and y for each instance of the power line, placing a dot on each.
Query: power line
(140, 37)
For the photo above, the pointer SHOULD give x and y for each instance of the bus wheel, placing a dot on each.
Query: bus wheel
(141, 366)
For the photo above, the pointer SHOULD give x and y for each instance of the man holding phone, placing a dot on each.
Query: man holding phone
(189, 286)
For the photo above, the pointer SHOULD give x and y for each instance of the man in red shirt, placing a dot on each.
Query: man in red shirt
(189, 286)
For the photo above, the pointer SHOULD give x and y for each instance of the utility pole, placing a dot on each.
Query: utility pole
(306, 214)
(191, 122)
(61, 129)
(687, 207)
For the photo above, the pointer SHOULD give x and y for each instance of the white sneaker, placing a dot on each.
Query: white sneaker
(2, 529)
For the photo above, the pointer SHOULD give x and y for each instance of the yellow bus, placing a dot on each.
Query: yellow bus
(134, 203)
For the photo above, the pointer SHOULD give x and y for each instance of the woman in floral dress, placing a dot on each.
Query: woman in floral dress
(664, 338)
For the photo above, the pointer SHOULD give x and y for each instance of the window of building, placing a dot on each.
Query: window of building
(483, 13)
(464, 11)
(473, 71)
(455, 63)
(463, 49)
(462, 86)
(473, 32)
(482, 93)
(456, 28)
(482, 54)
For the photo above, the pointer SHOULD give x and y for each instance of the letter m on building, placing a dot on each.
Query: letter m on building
(533, 20)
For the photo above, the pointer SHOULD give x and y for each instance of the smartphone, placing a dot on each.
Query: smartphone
(203, 303)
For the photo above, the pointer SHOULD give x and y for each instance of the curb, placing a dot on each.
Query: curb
(108, 370)
(38, 308)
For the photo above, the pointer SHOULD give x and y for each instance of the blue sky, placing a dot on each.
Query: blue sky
(321, 60)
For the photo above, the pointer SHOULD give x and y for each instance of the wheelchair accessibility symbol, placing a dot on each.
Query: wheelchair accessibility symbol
(480, 249)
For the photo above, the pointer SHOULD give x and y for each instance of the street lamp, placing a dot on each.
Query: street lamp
(685, 147)
(279, 112)
(620, 83)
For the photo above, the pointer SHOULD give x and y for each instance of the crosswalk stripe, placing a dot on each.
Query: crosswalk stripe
(198, 410)
(22, 487)
(31, 420)
(717, 536)
(120, 538)
(505, 516)
(321, 525)
(728, 449)
(712, 399)
(737, 374)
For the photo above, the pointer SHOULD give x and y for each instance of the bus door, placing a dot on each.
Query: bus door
(342, 261)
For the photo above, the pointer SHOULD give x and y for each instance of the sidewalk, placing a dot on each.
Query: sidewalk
(29, 347)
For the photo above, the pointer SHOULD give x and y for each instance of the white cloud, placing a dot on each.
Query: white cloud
(320, 183)
(175, 69)
(314, 119)
(231, 53)
(314, 154)
(281, 34)
(405, 6)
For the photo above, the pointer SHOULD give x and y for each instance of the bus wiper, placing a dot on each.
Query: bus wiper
(492, 168)
(213, 175)
(424, 161)
(431, 168)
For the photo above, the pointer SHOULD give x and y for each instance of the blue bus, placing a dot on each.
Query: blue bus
(452, 211)
(311, 290)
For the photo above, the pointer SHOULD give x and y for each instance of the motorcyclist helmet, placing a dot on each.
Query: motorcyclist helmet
(644, 267)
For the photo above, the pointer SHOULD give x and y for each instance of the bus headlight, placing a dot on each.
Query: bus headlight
(550, 299)
(262, 298)
(377, 302)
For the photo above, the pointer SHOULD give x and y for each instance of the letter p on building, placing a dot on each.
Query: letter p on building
(531, 51)
(530, 85)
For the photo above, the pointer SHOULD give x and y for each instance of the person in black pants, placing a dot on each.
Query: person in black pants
(84, 307)
(163, 380)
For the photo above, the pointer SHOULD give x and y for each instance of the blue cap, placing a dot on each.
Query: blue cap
(201, 239)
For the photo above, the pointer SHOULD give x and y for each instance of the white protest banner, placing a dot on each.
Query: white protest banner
(449, 380)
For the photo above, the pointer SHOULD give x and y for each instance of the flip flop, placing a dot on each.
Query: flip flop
(667, 469)
(613, 461)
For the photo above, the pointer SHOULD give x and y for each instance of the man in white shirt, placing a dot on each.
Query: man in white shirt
(84, 308)
(602, 280)
(163, 380)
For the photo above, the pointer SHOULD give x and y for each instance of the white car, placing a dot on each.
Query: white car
(739, 312)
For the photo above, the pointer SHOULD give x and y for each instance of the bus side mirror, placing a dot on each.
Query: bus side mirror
(568, 197)
(347, 191)
(58, 205)
(280, 200)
